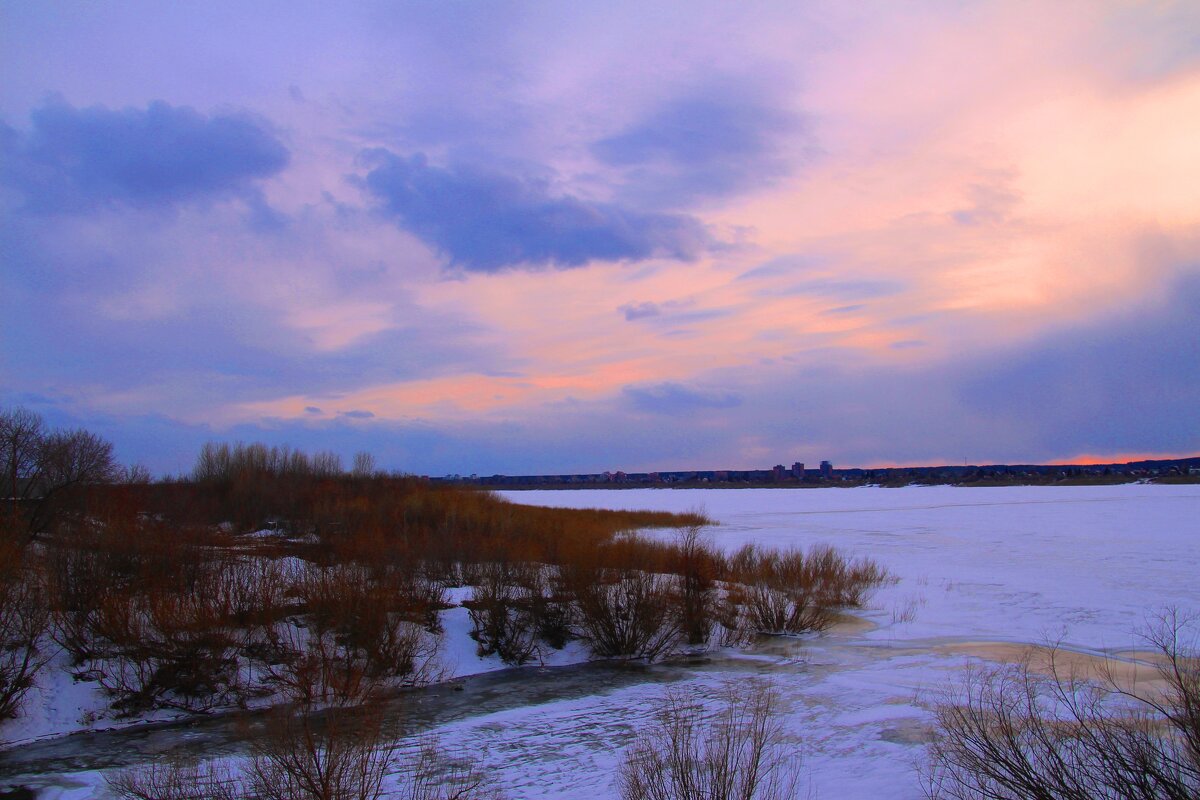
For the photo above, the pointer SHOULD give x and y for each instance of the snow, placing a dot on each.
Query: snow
(1086, 566)
(1011, 563)
(459, 652)
(1083, 566)
(59, 703)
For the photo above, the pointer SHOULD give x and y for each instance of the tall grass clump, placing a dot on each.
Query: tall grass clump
(793, 592)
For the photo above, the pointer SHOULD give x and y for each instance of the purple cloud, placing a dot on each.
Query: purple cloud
(675, 398)
(636, 311)
(75, 159)
(484, 220)
(714, 142)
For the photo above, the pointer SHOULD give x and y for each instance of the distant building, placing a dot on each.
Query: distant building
(777, 473)
(826, 470)
(798, 470)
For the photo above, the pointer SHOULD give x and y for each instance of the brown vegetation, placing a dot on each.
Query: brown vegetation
(271, 571)
(792, 591)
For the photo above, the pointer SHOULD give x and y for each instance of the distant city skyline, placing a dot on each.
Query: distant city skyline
(826, 473)
(550, 238)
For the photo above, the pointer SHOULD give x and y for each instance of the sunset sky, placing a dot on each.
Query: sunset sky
(575, 237)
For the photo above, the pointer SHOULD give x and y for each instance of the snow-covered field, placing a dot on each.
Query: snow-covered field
(1084, 566)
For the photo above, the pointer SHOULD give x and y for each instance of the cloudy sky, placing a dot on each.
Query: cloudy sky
(559, 237)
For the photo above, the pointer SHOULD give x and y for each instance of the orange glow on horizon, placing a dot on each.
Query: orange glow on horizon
(1120, 458)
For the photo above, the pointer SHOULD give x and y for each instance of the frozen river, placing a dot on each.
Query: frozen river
(1083, 566)
(1011, 563)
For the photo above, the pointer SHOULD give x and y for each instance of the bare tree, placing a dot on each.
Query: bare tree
(364, 464)
(1013, 732)
(738, 754)
(42, 466)
(21, 435)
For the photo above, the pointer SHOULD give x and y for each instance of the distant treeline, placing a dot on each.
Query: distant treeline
(1180, 469)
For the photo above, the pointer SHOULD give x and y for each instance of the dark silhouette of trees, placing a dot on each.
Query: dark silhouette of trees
(43, 468)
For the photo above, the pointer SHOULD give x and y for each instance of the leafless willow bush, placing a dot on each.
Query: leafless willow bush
(340, 754)
(738, 754)
(625, 613)
(1012, 733)
(434, 774)
(176, 781)
(260, 597)
(518, 609)
(361, 629)
(549, 602)
(24, 621)
(501, 616)
(169, 649)
(698, 565)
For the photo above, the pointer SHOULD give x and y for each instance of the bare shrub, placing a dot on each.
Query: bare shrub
(625, 613)
(77, 583)
(1011, 732)
(738, 754)
(500, 617)
(340, 755)
(433, 774)
(24, 620)
(258, 590)
(176, 649)
(361, 631)
(176, 780)
(517, 609)
(549, 601)
(119, 552)
(775, 593)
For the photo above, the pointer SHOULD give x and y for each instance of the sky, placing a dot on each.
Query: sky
(573, 237)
